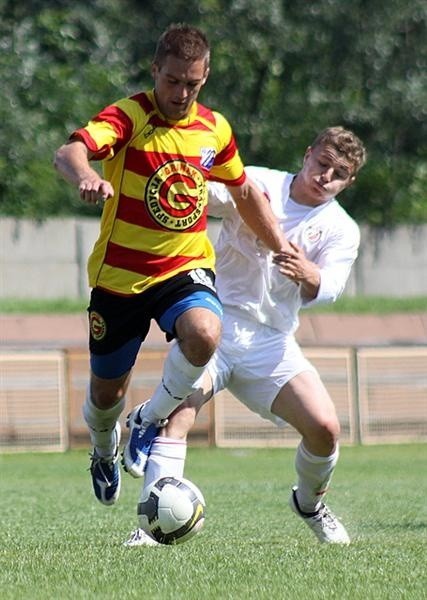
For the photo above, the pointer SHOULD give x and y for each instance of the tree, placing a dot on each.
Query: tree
(281, 71)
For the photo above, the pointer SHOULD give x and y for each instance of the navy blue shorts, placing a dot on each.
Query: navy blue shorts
(119, 324)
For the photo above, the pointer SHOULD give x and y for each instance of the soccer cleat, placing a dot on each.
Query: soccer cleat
(106, 474)
(140, 538)
(141, 435)
(324, 524)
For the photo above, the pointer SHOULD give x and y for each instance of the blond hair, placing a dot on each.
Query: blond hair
(346, 143)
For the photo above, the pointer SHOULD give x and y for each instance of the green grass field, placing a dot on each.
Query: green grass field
(357, 305)
(58, 542)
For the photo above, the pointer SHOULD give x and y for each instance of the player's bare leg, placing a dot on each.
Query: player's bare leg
(168, 451)
(198, 333)
(305, 404)
(105, 400)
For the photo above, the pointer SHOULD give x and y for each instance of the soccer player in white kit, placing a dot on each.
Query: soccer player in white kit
(258, 359)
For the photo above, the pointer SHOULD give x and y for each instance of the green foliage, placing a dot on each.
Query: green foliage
(281, 71)
(57, 56)
(59, 542)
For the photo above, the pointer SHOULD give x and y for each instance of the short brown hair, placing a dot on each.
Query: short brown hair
(184, 42)
(346, 143)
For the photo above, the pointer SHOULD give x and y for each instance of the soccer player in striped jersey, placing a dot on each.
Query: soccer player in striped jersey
(258, 359)
(153, 258)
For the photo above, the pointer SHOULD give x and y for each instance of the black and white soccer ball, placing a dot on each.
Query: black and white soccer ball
(171, 510)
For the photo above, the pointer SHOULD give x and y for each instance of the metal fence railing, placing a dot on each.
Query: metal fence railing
(380, 394)
(33, 411)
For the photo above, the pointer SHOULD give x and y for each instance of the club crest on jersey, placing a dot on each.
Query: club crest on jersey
(313, 234)
(176, 195)
(98, 327)
(207, 157)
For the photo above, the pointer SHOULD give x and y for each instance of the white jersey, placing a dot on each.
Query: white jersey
(247, 279)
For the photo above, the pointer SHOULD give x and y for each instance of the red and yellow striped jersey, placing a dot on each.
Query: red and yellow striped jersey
(155, 226)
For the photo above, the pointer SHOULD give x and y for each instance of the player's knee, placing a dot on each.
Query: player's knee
(200, 344)
(208, 340)
(106, 396)
(330, 432)
(324, 435)
(199, 333)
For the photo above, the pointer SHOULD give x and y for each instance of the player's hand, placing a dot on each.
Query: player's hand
(294, 264)
(95, 190)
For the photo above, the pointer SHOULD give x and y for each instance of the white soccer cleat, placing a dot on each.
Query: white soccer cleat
(324, 524)
(140, 538)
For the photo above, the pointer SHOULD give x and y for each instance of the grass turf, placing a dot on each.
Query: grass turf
(59, 542)
(356, 305)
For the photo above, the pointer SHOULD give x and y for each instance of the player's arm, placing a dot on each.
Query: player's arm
(72, 162)
(323, 281)
(255, 210)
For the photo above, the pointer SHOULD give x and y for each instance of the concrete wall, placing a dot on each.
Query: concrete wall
(392, 262)
(48, 259)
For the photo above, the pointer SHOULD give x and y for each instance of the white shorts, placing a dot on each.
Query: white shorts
(254, 362)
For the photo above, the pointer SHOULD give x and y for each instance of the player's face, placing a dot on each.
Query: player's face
(177, 84)
(325, 174)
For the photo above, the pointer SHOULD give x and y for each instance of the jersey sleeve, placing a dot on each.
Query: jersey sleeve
(228, 167)
(335, 261)
(108, 131)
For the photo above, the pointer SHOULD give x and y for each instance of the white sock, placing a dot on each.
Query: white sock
(314, 476)
(180, 379)
(166, 459)
(101, 425)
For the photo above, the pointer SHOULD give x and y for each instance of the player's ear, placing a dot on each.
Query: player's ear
(350, 182)
(205, 76)
(307, 153)
(154, 70)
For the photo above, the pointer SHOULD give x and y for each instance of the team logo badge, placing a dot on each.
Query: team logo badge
(176, 195)
(98, 327)
(313, 234)
(207, 157)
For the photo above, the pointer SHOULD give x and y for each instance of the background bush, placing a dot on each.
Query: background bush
(281, 71)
